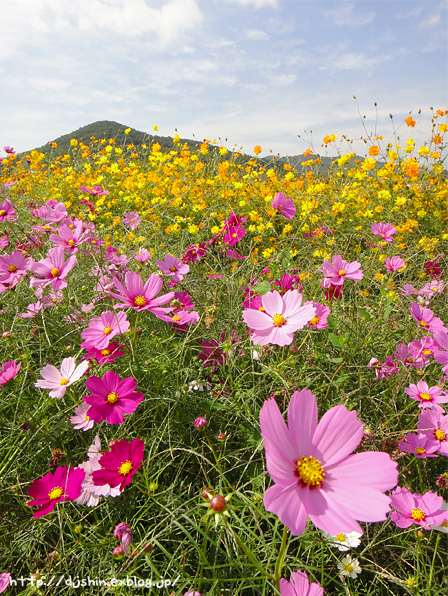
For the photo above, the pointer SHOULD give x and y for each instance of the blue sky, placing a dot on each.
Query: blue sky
(257, 72)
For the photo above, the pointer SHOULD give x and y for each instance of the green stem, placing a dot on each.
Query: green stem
(432, 564)
(280, 559)
(248, 553)
(204, 545)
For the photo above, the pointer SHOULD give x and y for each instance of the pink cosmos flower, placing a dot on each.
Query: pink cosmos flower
(107, 354)
(419, 445)
(51, 212)
(173, 267)
(234, 254)
(96, 190)
(394, 264)
(4, 241)
(340, 270)
(423, 510)
(315, 476)
(194, 252)
(111, 397)
(142, 255)
(31, 310)
(387, 369)
(52, 270)
(319, 321)
(90, 493)
(7, 212)
(428, 397)
(70, 238)
(13, 266)
(9, 150)
(132, 220)
(123, 533)
(119, 464)
(9, 371)
(422, 350)
(81, 420)
(425, 318)
(58, 381)
(287, 282)
(331, 291)
(299, 585)
(433, 287)
(5, 579)
(233, 234)
(64, 485)
(182, 318)
(139, 296)
(283, 205)
(408, 290)
(385, 231)
(441, 337)
(181, 301)
(281, 317)
(435, 426)
(101, 330)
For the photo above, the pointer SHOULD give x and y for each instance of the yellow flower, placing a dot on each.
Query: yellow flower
(423, 150)
(193, 229)
(257, 150)
(215, 230)
(379, 276)
(73, 142)
(154, 127)
(127, 131)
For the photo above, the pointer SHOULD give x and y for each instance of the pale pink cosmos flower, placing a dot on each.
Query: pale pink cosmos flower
(278, 318)
(408, 290)
(283, 205)
(428, 397)
(58, 381)
(52, 270)
(385, 231)
(81, 420)
(139, 296)
(315, 476)
(441, 337)
(299, 585)
(69, 239)
(101, 330)
(425, 318)
(7, 212)
(419, 445)
(13, 266)
(96, 190)
(394, 264)
(132, 220)
(435, 426)
(142, 255)
(340, 270)
(319, 321)
(423, 510)
(173, 267)
(9, 371)
(51, 212)
(31, 310)
(432, 287)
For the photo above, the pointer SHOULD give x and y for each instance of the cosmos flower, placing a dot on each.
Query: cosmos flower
(425, 318)
(299, 585)
(5, 579)
(52, 270)
(81, 420)
(142, 255)
(428, 397)
(423, 510)
(141, 297)
(64, 485)
(101, 330)
(123, 533)
(119, 464)
(419, 445)
(174, 267)
(385, 231)
(194, 252)
(9, 371)
(107, 354)
(111, 397)
(435, 426)
(394, 264)
(283, 205)
(13, 267)
(319, 321)
(441, 337)
(315, 476)
(58, 381)
(52, 212)
(70, 238)
(96, 190)
(7, 212)
(132, 220)
(340, 270)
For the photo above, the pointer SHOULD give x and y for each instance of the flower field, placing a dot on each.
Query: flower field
(223, 376)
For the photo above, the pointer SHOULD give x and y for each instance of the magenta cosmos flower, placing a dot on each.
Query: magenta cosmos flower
(385, 231)
(64, 485)
(435, 426)
(299, 585)
(441, 337)
(119, 464)
(111, 397)
(107, 354)
(141, 297)
(52, 270)
(96, 190)
(278, 318)
(315, 476)
(319, 321)
(340, 270)
(423, 510)
(123, 533)
(428, 397)
(69, 239)
(101, 330)
(58, 381)
(425, 318)
(132, 220)
(394, 264)
(7, 212)
(283, 205)
(142, 255)
(173, 267)
(13, 267)
(194, 252)
(9, 371)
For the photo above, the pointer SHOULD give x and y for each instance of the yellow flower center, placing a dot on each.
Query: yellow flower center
(173, 269)
(444, 524)
(440, 435)
(310, 471)
(87, 418)
(54, 272)
(349, 568)
(279, 320)
(420, 450)
(112, 398)
(314, 321)
(2, 212)
(176, 318)
(125, 467)
(105, 352)
(55, 493)
(261, 309)
(340, 537)
(427, 352)
(65, 381)
(71, 242)
(12, 268)
(436, 289)
(107, 330)
(71, 226)
(341, 272)
(139, 301)
(423, 324)
(418, 514)
(425, 397)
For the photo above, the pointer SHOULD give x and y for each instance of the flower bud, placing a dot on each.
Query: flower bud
(222, 437)
(200, 423)
(6, 334)
(294, 349)
(118, 551)
(207, 492)
(218, 503)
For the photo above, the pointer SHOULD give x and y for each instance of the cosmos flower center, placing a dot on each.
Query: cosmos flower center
(125, 467)
(112, 397)
(105, 352)
(420, 450)
(427, 352)
(340, 537)
(341, 272)
(2, 212)
(279, 320)
(440, 435)
(436, 289)
(173, 269)
(423, 324)
(444, 524)
(261, 309)
(310, 471)
(139, 301)
(71, 242)
(425, 397)
(86, 418)
(12, 268)
(418, 514)
(55, 493)
(349, 568)
(54, 272)
(65, 381)
(314, 321)
(279, 208)
(176, 318)
(107, 330)
(409, 360)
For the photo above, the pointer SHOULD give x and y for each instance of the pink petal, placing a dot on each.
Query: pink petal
(302, 421)
(285, 502)
(338, 433)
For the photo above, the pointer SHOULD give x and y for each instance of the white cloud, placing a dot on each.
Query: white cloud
(343, 15)
(256, 3)
(255, 34)
(431, 21)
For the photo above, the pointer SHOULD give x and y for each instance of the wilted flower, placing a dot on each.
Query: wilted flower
(123, 533)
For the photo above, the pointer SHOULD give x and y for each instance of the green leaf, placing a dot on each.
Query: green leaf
(337, 341)
(332, 322)
(387, 313)
(364, 315)
(263, 287)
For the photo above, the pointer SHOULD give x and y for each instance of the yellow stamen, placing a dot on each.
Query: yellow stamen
(71, 242)
(420, 450)
(418, 514)
(12, 268)
(425, 397)
(348, 568)
(173, 269)
(87, 418)
(107, 330)
(314, 321)
(261, 309)
(125, 467)
(55, 493)
(427, 352)
(176, 318)
(112, 398)
(279, 320)
(65, 381)
(105, 352)
(139, 301)
(423, 324)
(341, 272)
(340, 537)
(2, 212)
(440, 435)
(54, 272)
(310, 471)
